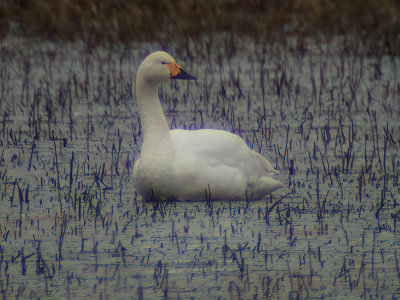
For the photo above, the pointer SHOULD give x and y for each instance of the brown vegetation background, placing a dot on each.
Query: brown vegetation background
(135, 20)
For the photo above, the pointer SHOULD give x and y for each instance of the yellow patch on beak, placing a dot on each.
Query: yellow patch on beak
(173, 69)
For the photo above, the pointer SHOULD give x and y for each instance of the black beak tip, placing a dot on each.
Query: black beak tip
(183, 76)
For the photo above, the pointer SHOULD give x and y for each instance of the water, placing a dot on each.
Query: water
(72, 225)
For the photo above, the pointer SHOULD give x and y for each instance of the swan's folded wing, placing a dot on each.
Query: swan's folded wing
(217, 147)
(263, 162)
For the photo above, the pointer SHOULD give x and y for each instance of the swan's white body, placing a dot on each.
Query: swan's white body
(190, 165)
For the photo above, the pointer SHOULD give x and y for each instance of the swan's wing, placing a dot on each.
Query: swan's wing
(218, 147)
(262, 162)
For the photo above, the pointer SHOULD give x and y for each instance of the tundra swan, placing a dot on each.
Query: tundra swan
(191, 165)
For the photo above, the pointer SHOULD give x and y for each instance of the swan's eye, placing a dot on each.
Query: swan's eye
(163, 63)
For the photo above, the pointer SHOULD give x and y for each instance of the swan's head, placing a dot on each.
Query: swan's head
(159, 66)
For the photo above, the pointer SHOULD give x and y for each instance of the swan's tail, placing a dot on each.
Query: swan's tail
(266, 185)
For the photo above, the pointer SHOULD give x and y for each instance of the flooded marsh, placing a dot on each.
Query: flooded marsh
(325, 114)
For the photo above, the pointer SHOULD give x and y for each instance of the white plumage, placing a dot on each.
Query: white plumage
(191, 165)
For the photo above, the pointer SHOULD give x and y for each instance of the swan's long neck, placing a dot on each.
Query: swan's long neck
(155, 127)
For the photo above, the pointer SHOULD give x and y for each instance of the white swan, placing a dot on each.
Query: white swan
(192, 165)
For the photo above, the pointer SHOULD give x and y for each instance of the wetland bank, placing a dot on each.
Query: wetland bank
(325, 112)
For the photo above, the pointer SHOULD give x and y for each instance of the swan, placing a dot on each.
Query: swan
(191, 165)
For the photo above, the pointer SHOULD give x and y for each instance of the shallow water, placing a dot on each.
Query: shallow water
(72, 226)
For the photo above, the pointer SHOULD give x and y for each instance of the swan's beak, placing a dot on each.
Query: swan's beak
(176, 72)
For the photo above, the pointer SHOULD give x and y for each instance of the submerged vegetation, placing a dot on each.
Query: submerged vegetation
(72, 225)
(322, 107)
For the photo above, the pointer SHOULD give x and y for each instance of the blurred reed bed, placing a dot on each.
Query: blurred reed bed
(133, 20)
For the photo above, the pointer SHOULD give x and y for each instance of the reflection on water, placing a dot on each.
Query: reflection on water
(72, 226)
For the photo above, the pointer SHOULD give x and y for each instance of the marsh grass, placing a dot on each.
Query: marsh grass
(161, 20)
(325, 112)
